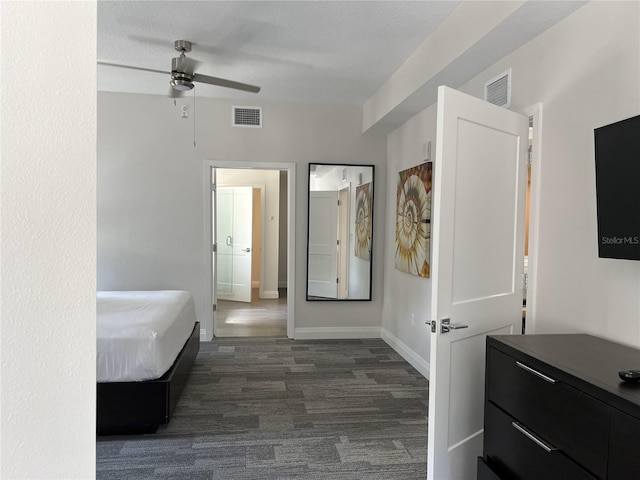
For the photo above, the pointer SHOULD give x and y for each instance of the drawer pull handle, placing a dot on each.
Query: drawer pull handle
(544, 445)
(535, 372)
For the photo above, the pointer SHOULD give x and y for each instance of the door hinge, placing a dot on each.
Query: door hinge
(530, 156)
(525, 281)
(214, 248)
(338, 202)
(337, 242)
(337, 280)
(215, 307)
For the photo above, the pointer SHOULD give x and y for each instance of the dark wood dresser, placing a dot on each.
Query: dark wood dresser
(555, 408)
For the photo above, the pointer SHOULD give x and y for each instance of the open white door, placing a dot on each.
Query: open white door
(323, 248)
(478, 220)
(234, 207)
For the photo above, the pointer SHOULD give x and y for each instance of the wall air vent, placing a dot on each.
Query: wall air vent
(498, 90)
(246, 117)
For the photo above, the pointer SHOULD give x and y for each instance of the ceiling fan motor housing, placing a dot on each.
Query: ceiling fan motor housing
(180, 79)
(178, 67)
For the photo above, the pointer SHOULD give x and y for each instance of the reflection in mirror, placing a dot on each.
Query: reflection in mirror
(340, 226)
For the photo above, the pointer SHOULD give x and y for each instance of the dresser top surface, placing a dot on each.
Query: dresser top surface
(590, 359)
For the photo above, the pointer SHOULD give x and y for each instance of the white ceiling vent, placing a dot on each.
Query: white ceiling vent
(246, 117)
(498, 90)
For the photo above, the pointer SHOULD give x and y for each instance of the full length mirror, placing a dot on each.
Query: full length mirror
(340, 227)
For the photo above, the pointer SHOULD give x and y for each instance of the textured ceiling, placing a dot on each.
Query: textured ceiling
(300, 51)
(324, 51)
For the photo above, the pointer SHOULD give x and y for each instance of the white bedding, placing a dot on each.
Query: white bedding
(139, 334)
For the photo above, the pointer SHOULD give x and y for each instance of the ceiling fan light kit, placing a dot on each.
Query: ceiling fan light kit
(181, 84)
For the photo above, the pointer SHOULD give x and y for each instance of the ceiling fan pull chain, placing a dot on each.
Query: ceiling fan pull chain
(194, 118)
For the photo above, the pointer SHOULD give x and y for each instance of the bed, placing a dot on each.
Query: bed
(147, 342)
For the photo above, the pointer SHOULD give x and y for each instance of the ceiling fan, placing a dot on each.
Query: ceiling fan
(183, 75)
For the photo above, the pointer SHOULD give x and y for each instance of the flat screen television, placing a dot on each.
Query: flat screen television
(617, 155)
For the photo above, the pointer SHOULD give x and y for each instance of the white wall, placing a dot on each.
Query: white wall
(586, 71)
(150, 199)
(407, 298)
(47, 271)
(270, 180)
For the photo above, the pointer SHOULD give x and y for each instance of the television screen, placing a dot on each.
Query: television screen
(617, 152)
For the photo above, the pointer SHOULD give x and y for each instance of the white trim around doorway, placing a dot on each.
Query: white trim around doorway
(206, 332)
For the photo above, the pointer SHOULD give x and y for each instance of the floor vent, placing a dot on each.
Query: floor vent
(498, 90)
(247, 117)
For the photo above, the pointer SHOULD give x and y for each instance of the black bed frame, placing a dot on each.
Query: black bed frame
(141, 407)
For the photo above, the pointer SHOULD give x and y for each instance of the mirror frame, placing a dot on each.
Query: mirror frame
(371, 208)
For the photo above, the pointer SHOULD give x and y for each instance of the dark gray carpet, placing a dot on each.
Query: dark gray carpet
(272, 408)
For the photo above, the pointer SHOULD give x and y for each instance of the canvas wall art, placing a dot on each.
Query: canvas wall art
(363, 222)
(413, 220)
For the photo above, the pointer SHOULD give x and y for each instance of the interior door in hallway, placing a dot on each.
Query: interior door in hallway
(323, 248)
(234, 207)
(478, 220)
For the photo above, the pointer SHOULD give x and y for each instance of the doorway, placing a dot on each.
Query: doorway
(269, 308)
(531, 217)
(249, 303)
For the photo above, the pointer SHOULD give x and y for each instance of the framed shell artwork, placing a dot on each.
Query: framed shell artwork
(413, 220)
(363, 222)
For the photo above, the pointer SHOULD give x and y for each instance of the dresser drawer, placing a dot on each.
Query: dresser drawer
(624, 454)
(575, 423)
(519, 453)
(485, 472)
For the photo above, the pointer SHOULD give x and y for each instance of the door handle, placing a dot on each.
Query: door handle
(447, 326)
(246, 250)
(228, 241)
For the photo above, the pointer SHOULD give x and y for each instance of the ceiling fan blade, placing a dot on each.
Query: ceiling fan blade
(119, 65)
(221, 82)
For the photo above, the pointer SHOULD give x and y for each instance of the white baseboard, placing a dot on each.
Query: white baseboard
(203, 336)
(335, 333)
(255, 283)
(270, 294)
(415, 360)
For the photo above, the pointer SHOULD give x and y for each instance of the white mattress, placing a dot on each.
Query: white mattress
(139, 334)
